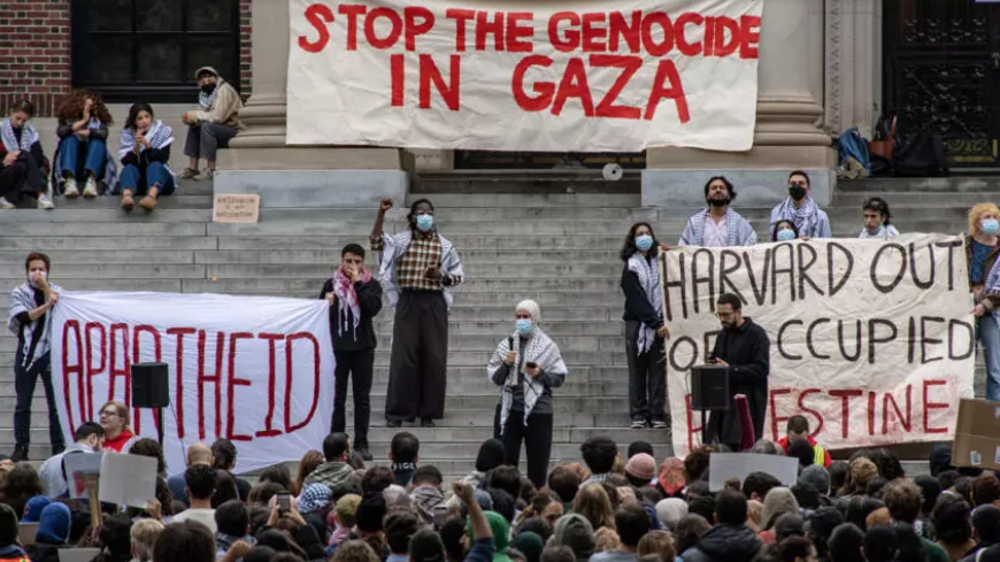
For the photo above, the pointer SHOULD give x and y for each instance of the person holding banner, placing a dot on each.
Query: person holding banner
(982, 246)
(645, 331)
(877, 218)
(801, 209)
(418, 267)
(784, 231)
(28, 319)
(718, 225)
(743, 347)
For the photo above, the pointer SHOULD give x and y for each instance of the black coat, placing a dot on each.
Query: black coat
(725, 543)
(747, 351)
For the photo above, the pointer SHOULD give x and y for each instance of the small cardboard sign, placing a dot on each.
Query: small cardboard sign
(79, 467)
(977, 435)
(236, 208)
(127, 479)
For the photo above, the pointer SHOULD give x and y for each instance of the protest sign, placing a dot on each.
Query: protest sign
(872, 341)
(127, 479)
(255, 370)
(527, 76)
(80, 466)
(723, 466)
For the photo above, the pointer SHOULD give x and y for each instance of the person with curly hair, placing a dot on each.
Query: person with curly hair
(82, 155)
(144, 151)
(21, 159)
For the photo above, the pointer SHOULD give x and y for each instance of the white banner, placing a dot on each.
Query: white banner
(256, 370)
(873, 342)
(524, 75)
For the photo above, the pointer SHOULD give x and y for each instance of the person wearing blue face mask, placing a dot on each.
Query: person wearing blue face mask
(784, 231)
(417, 268)
(982, 247)
(526, 366)
(645, 332)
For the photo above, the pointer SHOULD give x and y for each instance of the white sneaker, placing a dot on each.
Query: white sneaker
(91, 189)
(5, 204)
(45, 202)
(205, 175)
(69, 189)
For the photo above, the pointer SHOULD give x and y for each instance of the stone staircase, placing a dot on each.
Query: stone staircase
(554, 238)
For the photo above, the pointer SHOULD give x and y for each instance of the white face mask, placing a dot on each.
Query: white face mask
(31, 280)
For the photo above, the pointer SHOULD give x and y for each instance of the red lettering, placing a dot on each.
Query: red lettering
(398, 76)
(72, 326)
(515, 32)
(692, 430)
(594, 38)
(871, 413)
(544, 90)
(215, 379)
(289, 428)
(649, 41)
(621, 30)
(748, 37)
(429, 73)
(272, 340)
(486, 26)
(126, 370)
(630, 66)
(231, 388)
(179, 375)
(395, 23)
(680, 30)
(808, 410)
(709, 35)
(777, 420)
(727, 36)
(418, 22)
(906, 420)
(845, 398)
(928, 406)
(572, 36)
(318, 15)
(667, 72)
(460, 17)
(574, 85)
(87, 396)
(352, 11)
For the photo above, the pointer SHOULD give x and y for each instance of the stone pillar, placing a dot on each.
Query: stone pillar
(259, 161)
(853, 64)
(787, 134)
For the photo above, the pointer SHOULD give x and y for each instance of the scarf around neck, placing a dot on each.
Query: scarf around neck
(28, 136)
(159, 135)
(541, 350)
(805, 217)
(347, 299)
(649, 280)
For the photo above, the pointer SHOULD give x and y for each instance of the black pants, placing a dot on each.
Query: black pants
(647, 376)
(22, 177)
(358, 366)
(25, 379)
(419, 362)
(537, 438)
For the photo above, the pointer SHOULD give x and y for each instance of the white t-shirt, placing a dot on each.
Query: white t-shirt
(716, 233)
(204, 516)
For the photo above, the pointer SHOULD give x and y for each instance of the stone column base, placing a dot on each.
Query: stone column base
(316, 177)
(677, 176)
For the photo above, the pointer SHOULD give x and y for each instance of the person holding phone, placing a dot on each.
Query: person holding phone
(527, 366)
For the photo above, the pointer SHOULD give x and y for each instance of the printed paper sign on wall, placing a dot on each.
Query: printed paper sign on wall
(873, 342)
(525, 76)
(256, 370)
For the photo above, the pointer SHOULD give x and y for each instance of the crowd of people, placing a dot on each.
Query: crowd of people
(609, 508)
(82, 164)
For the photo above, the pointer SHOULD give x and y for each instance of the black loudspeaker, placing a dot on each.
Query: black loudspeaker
(150, 385)
(710, 388)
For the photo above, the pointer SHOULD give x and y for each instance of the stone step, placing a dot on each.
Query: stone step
(100, 216)
(958, 201)
(175, 201)
(64, 275)
(25, 244)
(496, 228)
(125, 230)
(907, 186)
(464, 243)
(62, 258)
(331, 258)
(577, 200)
(585, 182)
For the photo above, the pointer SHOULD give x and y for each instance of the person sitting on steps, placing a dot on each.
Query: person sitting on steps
(82, 156)
(145, 151)
(22, 159)
(212, 125)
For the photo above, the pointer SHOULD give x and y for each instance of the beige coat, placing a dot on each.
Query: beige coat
(225, 107)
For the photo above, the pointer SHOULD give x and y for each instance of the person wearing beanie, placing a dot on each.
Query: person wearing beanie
(526, 366)
(576, 532)
(670, 511)
(818, 477)
(53, 532)
(33, 509)
(530, 544)
(640, 470)
(10, 550)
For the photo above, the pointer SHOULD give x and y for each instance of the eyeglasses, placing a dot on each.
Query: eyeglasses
(109, 413)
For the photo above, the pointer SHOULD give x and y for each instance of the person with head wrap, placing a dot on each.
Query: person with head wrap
(671, 477)
(315, 497)
(526, 366)
(670, 511)
(778, 502)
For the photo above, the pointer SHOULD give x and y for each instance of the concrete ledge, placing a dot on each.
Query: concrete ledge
(686, 187)
(316, 189)
(757, 158)
(316, 158)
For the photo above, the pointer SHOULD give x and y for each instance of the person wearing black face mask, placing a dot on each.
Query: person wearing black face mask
(743, 347)
(212, 125)
(718, 225)
(800, 209)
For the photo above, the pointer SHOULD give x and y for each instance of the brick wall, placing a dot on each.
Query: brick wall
(35, 52)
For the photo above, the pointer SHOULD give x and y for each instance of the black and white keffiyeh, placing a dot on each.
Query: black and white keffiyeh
(740, 232)
(29, 136)
(649, 280)
(160, 135)
(206, 100)
(542, 351)
(806, 218)
(33, 337)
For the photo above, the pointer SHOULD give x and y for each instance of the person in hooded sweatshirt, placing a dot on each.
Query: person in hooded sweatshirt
(730, 540)
(336, 450)
(53, 532)
(491, 455)
(212, 125)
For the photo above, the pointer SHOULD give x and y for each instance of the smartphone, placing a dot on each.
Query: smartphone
(284, 502)
(531, 364)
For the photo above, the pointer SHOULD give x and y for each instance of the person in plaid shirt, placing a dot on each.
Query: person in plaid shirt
(417, 268)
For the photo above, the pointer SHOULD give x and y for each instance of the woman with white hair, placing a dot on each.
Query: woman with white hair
(526, 366)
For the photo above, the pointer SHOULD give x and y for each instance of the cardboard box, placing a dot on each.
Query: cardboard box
(977, 435)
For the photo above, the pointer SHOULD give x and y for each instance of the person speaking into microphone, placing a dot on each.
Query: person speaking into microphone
(743, 347)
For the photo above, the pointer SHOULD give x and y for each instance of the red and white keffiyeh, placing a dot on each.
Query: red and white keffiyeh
(347, 297)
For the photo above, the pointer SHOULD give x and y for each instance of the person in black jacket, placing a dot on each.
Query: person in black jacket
(644, 329)
(744, 347)
(730, 540)
(144, 151)
(355, 298)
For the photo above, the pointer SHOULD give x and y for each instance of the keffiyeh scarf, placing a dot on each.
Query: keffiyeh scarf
(206, 100)
(159, 135)
(805, 217)
(740, 233)
(540, 350)
(29, 136)
(315, 497)
(347, 298)
(649, 280)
